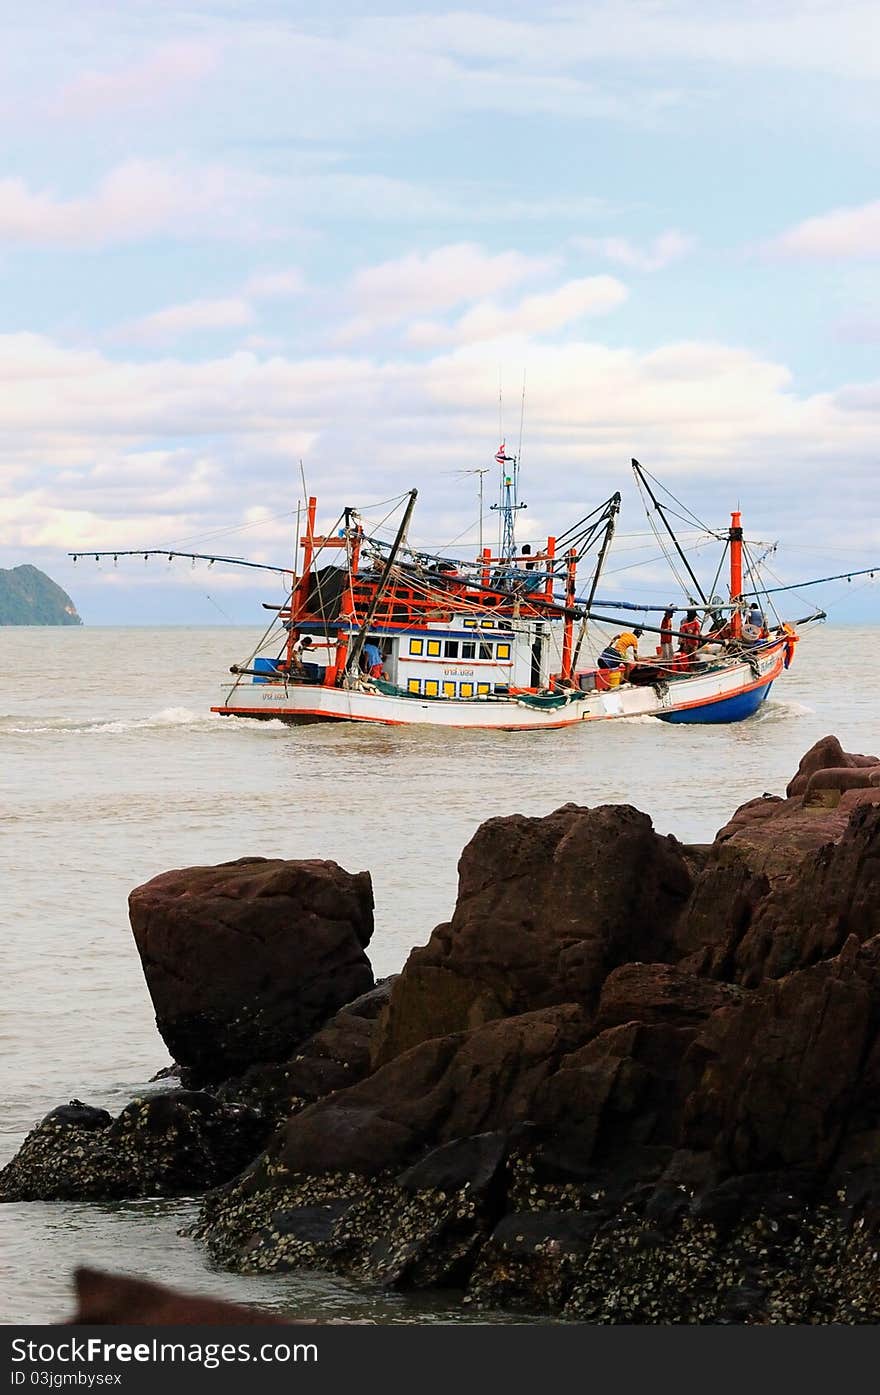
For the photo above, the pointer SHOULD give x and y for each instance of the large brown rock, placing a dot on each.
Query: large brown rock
(245, 960)
(546, 908)
(121, 1300)
(827, 754)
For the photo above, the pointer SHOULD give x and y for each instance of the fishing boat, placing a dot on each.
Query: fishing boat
(379, 632)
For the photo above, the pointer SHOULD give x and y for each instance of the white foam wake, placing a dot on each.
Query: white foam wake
(61, 726)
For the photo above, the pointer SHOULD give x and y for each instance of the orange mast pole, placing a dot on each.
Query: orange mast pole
(568, 631)
(346, 612)
(551, 554)
(486, 556)
(736, 571)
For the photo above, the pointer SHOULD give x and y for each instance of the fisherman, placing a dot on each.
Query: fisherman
(373, 660)
(302, 646)
(690, 631)
(666, 649)
(617, 653)
(753, 628)
(755, 616)
(527, 562)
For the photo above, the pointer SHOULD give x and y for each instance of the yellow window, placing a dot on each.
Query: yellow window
(432, 687)
(487, 624)
(414, 686)
(503, 651)
(417, 646)
(470, 624)
(482, 688)
(467, 690)
(449, 690)
(434, 648)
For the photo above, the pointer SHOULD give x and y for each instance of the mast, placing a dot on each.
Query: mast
(666, 524)
(357, 645)
(735, 536)
(509, 504)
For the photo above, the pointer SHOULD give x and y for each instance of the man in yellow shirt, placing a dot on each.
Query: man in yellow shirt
(623, 649)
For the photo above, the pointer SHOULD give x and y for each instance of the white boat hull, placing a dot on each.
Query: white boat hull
(725, 695)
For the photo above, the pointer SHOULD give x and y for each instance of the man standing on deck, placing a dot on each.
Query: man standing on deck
(690, 631)
(666, 650)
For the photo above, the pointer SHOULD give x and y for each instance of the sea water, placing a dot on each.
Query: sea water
(113, 769)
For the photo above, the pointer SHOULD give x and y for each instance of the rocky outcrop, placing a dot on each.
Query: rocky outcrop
(246, 960)
(167, 1144)
(546, 908)
(661, 1105)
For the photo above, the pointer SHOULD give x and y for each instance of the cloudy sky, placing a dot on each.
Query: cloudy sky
(237, 235)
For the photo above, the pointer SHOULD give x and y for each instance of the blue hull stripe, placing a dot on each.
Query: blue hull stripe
(732, 709)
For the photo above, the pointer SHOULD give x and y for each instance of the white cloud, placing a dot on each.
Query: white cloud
(136, 200)
(218, 313)
(149, 79)
(82, 436)
(420, 283)
(665, 249)
(538, 314)
(274, 285)
(818, 36)
(191, 317)
(842, 233)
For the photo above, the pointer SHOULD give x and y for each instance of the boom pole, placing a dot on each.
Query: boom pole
(666, 524)
(357, 645)
(613, 510)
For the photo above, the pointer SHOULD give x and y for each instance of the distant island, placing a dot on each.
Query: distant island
(30, 597)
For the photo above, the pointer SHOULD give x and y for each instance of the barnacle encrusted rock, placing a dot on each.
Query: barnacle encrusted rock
(167, 1144)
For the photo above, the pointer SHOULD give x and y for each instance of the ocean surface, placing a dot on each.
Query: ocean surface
(112, 769)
